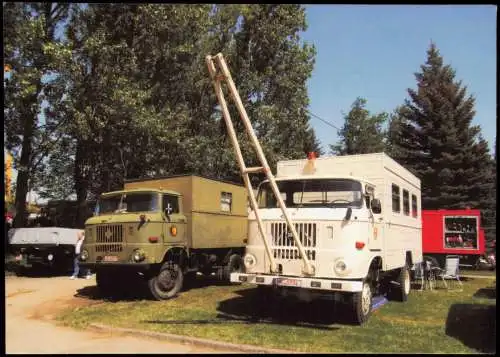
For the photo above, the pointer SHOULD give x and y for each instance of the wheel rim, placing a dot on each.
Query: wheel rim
(166, 280)
(366, 299)
(407, 283)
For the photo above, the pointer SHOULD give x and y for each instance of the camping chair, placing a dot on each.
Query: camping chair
(451, 270)
(419, 274)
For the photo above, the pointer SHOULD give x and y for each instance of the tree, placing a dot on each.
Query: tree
(142, 103)
(432, 135)
(362, 132)
(30, 50)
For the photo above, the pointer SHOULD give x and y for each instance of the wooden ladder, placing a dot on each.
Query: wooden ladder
(219, 72)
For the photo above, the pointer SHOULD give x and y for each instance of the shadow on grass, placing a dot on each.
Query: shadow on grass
(249, 308)
(486, 293)
(134, 288)
(134, 291)
(201, 281)
(474, 325)
(252, 306)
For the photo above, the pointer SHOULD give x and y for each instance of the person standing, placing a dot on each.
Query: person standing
(76, 260)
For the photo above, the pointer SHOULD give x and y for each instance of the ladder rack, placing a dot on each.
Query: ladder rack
(219, 72)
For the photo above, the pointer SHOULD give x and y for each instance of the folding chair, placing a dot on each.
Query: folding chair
(451, 270)
(419, 274)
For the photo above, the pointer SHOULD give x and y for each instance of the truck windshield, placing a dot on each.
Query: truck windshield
(333, 193)
(127, 202)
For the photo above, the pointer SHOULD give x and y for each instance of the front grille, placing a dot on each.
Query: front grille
(109, 238)
(284, 246)
(282, 236)
(292, 253)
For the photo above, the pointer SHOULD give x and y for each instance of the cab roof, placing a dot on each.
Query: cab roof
(137, 190)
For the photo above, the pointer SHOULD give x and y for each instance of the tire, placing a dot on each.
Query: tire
(167, 283)
(361, 304)
(235, 264)
(401, 291)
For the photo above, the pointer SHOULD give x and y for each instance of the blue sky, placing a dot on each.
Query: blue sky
(373, 52)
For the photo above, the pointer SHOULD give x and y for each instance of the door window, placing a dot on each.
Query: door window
(171, 203)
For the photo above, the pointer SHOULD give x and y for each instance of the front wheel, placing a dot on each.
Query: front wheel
(168, 282)
(362, 304)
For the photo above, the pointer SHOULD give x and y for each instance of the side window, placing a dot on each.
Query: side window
(226, 201)
(414, 207)
(406, 202)
(171, 202)
(396, 204)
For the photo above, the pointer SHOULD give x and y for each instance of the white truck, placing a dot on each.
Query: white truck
(337, 227)
(358, 218)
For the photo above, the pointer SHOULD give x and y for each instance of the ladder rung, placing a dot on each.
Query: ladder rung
(248, 170)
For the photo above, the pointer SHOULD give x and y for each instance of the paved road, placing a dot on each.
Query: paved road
(31, 304)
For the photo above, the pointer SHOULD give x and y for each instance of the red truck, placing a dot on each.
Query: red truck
(452, 232)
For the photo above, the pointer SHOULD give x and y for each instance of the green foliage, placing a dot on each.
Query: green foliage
(362, 132)
(432, 134)
(130, 96)
(143, 103)
(32, 88)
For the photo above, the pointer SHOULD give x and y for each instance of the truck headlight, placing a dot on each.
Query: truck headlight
(340, 267)
(138, 255)
(249, 260)
(84, 255)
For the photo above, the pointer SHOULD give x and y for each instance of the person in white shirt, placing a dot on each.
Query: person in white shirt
(76, 261)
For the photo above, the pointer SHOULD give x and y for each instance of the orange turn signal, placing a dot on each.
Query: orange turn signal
(360, 245)
(173, 230)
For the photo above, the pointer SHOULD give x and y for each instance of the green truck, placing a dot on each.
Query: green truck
(166, 229)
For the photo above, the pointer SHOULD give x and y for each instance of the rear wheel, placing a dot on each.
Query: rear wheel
(168, 282)
(402, 289)
(362, 304)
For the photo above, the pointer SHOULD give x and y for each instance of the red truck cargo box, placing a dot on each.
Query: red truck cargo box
(452, 232)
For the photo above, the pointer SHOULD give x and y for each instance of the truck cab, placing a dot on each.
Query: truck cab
(162, 229)
(358, 220)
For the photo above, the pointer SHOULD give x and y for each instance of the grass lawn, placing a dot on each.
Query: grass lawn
(437, 321)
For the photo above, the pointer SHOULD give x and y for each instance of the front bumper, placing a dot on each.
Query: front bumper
(108, 265)
(305, 283)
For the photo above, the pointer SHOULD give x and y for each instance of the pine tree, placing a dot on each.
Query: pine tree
(433, 136)
(362, 132)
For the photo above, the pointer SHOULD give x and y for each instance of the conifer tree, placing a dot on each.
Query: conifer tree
(362, 132)
(433, 136)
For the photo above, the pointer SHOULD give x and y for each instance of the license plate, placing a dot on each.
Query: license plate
(110, 258)
(289, 282)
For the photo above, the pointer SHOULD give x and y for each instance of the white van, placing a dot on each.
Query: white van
(358, 218)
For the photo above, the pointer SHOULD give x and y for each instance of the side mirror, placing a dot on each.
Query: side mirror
(348, 214)
(376, 206)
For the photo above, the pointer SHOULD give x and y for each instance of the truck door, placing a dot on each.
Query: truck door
(174, 227)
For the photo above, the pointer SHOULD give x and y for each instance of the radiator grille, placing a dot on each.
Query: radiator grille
(282, 236)
(284, 246)
(292, 253)
(109, 238)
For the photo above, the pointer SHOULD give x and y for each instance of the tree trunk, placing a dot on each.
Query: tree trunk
(81, 185)
(20, 220)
